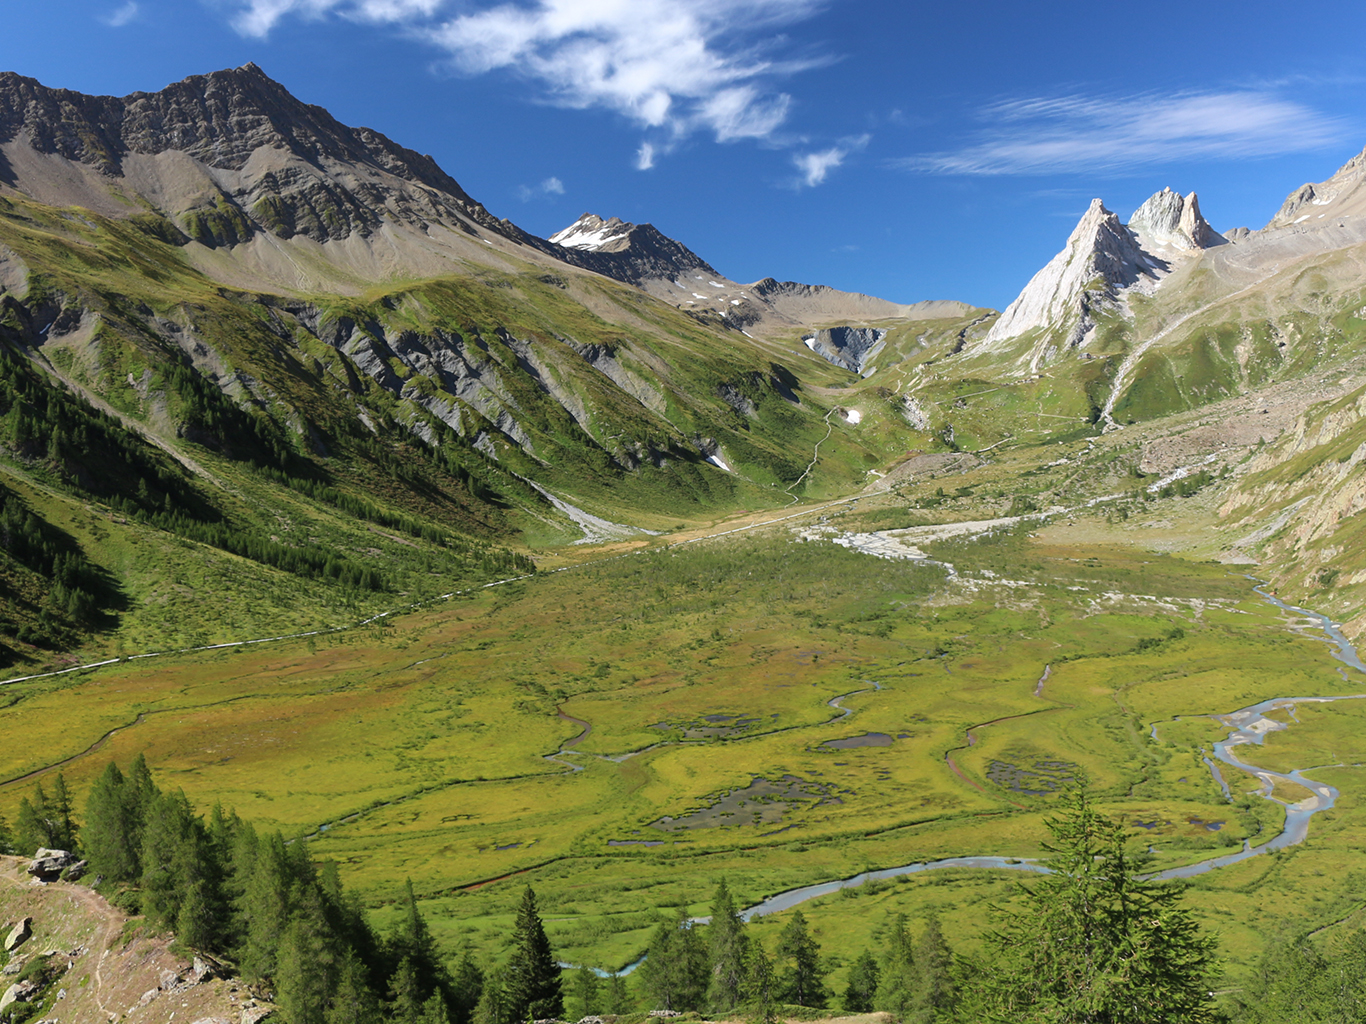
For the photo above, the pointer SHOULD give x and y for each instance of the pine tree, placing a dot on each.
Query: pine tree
(353, 1002)
(726, 941)
(113, 832)
(468, 985)
(62, 827)
(6, 837)
(800, 954)
(532, 983)
(616, 1000)
(1098, 941)
(676, 971)
(761, 985)
(897, 977)
(31, 831)
(934, 995)
(405, 995)
(308, 965)
(492, 1008)
(862, 984)
(586, 989)
(265, 908)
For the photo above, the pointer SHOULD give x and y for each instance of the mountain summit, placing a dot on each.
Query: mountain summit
(1100, 260)
(633, 253)
(1172, 220)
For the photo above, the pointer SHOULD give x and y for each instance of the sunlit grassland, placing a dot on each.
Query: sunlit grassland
(421, 743)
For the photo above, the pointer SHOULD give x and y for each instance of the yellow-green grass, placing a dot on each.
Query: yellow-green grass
(421, 743)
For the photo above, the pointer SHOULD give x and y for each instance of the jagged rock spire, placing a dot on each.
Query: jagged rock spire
(1170, 219)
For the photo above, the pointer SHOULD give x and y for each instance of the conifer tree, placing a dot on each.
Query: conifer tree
(800, 981)
(586, 987)
(31, 830)
(307, 966)
(62, 834)
(616, 999)
(405, 995)
(862, 984)
(6, 837)
(761, 984)
(492, 1007)
(676, 971)
(468, 989)
(726, 941)
(1097, 941)
(113, 837)
(265, 907)
(897, 977)
(354, 1001)
(532, 978)
(934, 995)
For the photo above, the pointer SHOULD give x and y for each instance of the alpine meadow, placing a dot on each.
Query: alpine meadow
(408, 617)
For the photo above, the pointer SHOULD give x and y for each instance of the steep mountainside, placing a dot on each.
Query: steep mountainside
(303, 349)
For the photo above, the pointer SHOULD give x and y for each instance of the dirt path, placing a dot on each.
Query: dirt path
(111, 923)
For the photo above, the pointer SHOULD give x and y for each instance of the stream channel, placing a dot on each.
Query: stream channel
(1249, 725)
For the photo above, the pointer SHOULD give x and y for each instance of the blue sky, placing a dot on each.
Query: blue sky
(905, 149)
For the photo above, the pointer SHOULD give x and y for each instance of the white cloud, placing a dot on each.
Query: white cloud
(123, 16)
(645, 157)
(552, 186)
(671, 66)
(816, 166)
(1072, 133)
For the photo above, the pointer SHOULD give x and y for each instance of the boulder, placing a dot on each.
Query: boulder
(48, 865)
(18, 992)
(256, 1014)
(19, 935)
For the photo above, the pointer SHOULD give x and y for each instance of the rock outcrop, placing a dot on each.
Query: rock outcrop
(1172, 220)
(849, 347)
(1342, 195)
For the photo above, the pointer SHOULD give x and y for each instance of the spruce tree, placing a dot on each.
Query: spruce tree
(726, 940)
(586, 987)
(492, 1007)
(6, 837)
(62, 827)
(676, 971)
(531, 987)
(31, 831)
(468, 989)
(897, 976)
(800, 981)
(616, 1000)
(934, 995)
(308, 965)
(113, 832)
(1098, 941)
(761, 984)
(405, 995)
(353, 1001)
(862, 984)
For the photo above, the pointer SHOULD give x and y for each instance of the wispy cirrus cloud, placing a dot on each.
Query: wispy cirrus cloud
(1046, 135)
(121, 16)
(673, 67)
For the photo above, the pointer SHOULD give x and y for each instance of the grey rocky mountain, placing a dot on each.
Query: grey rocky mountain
(1169, 219)
(632, 253)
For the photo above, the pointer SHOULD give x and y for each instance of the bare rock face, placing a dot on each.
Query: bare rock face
(1101, 259)
(849, 347)
(1342, 195)
(1170, 219)
(290, 167)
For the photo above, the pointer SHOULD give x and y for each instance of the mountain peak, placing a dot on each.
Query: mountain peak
(628, 252)
(1344, 194)
(1100, 259)
(1169, 219)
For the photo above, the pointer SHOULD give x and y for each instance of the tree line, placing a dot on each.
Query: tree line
(1093, 941)
(260, 901)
